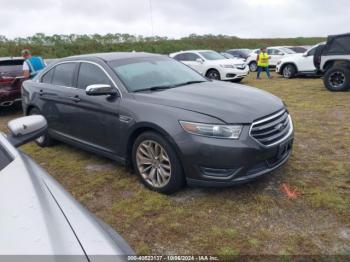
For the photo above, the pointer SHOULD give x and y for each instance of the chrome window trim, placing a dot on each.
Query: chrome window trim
(267, 119)
(79, 61)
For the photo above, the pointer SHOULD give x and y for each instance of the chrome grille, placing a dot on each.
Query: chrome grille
(273, 129)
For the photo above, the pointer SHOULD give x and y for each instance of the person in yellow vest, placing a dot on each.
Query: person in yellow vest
(263, 63)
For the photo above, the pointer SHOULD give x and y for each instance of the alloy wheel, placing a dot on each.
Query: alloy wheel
(337, 79)
(153, 163)
(287, 72)
(214, 75)
(253, 67)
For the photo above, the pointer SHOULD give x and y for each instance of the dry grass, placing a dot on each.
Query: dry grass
(251, 219)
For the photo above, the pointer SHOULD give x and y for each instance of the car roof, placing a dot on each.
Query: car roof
(112, 56)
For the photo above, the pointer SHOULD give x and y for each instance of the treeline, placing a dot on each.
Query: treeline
(57, 46)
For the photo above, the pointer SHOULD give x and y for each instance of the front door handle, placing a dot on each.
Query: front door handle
(75, 98)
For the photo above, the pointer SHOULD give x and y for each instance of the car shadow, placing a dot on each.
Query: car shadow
(11, 110)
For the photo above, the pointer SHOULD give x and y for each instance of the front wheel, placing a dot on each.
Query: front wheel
(289, 71)
(213, 74)
(44, 140)
(157, 164)
(253, 66)
(337, 79)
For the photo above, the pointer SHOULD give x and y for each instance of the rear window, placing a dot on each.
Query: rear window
(340, 46)
(63, 75)
(11, 67)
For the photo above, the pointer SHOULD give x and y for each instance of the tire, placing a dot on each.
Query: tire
(337, 79)
(253, 66)
(213, 74)
(289, 71)
(44, 140)
(152, 154)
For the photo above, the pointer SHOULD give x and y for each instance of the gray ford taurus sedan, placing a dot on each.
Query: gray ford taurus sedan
(165, 120)
(38, 217)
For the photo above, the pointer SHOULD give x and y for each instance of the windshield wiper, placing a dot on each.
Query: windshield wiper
(191, 82)
(155, 88)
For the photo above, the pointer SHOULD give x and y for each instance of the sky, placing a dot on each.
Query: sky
(176, 18)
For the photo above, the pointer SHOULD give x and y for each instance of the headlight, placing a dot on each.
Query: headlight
(227, 66)
(217, 131)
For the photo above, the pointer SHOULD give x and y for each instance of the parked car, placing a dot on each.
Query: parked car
(333, 59)
(11, 76)
(298, 64)
(167, 121)
(275, 53)
(213, 65)
(38, 217)
(239, 53)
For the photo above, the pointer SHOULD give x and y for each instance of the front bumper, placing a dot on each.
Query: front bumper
(234, 73)
(278, 67)
(221, 162)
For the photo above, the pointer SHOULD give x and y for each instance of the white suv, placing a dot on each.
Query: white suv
(275, 53)
(297, 64)
(213, 65)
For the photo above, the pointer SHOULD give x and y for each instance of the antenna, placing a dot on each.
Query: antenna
(151, 16)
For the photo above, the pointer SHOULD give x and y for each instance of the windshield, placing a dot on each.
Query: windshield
(151, 72)
(227, 55)
(287, 50)
(210, 55)
(246, 51)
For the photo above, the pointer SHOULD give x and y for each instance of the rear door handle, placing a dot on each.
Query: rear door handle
(75, 98)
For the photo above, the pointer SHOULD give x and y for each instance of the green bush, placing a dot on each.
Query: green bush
(57, 46)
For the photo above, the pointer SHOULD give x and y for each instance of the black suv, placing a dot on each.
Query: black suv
(333, 59)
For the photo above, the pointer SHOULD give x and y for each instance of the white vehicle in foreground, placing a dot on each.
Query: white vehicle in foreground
(213, 65)
(298, 64)
(275, 53)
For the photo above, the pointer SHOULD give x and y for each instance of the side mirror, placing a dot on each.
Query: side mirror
(26, 129)
(305, 54)
(200, 60)
(100, 90)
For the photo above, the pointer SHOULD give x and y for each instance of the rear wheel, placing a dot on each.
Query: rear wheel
(253, 66)
(337, 79)
(157, 164)
(45, 140)
(289, 71)
(213, 74)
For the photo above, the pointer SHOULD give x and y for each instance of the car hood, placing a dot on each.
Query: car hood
(230, 103)
(38, 217)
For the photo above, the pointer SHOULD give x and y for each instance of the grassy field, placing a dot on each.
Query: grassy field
(256, 218)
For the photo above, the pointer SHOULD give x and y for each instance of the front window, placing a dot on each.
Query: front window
(146, 73)
(210, 55)
(90, 74)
